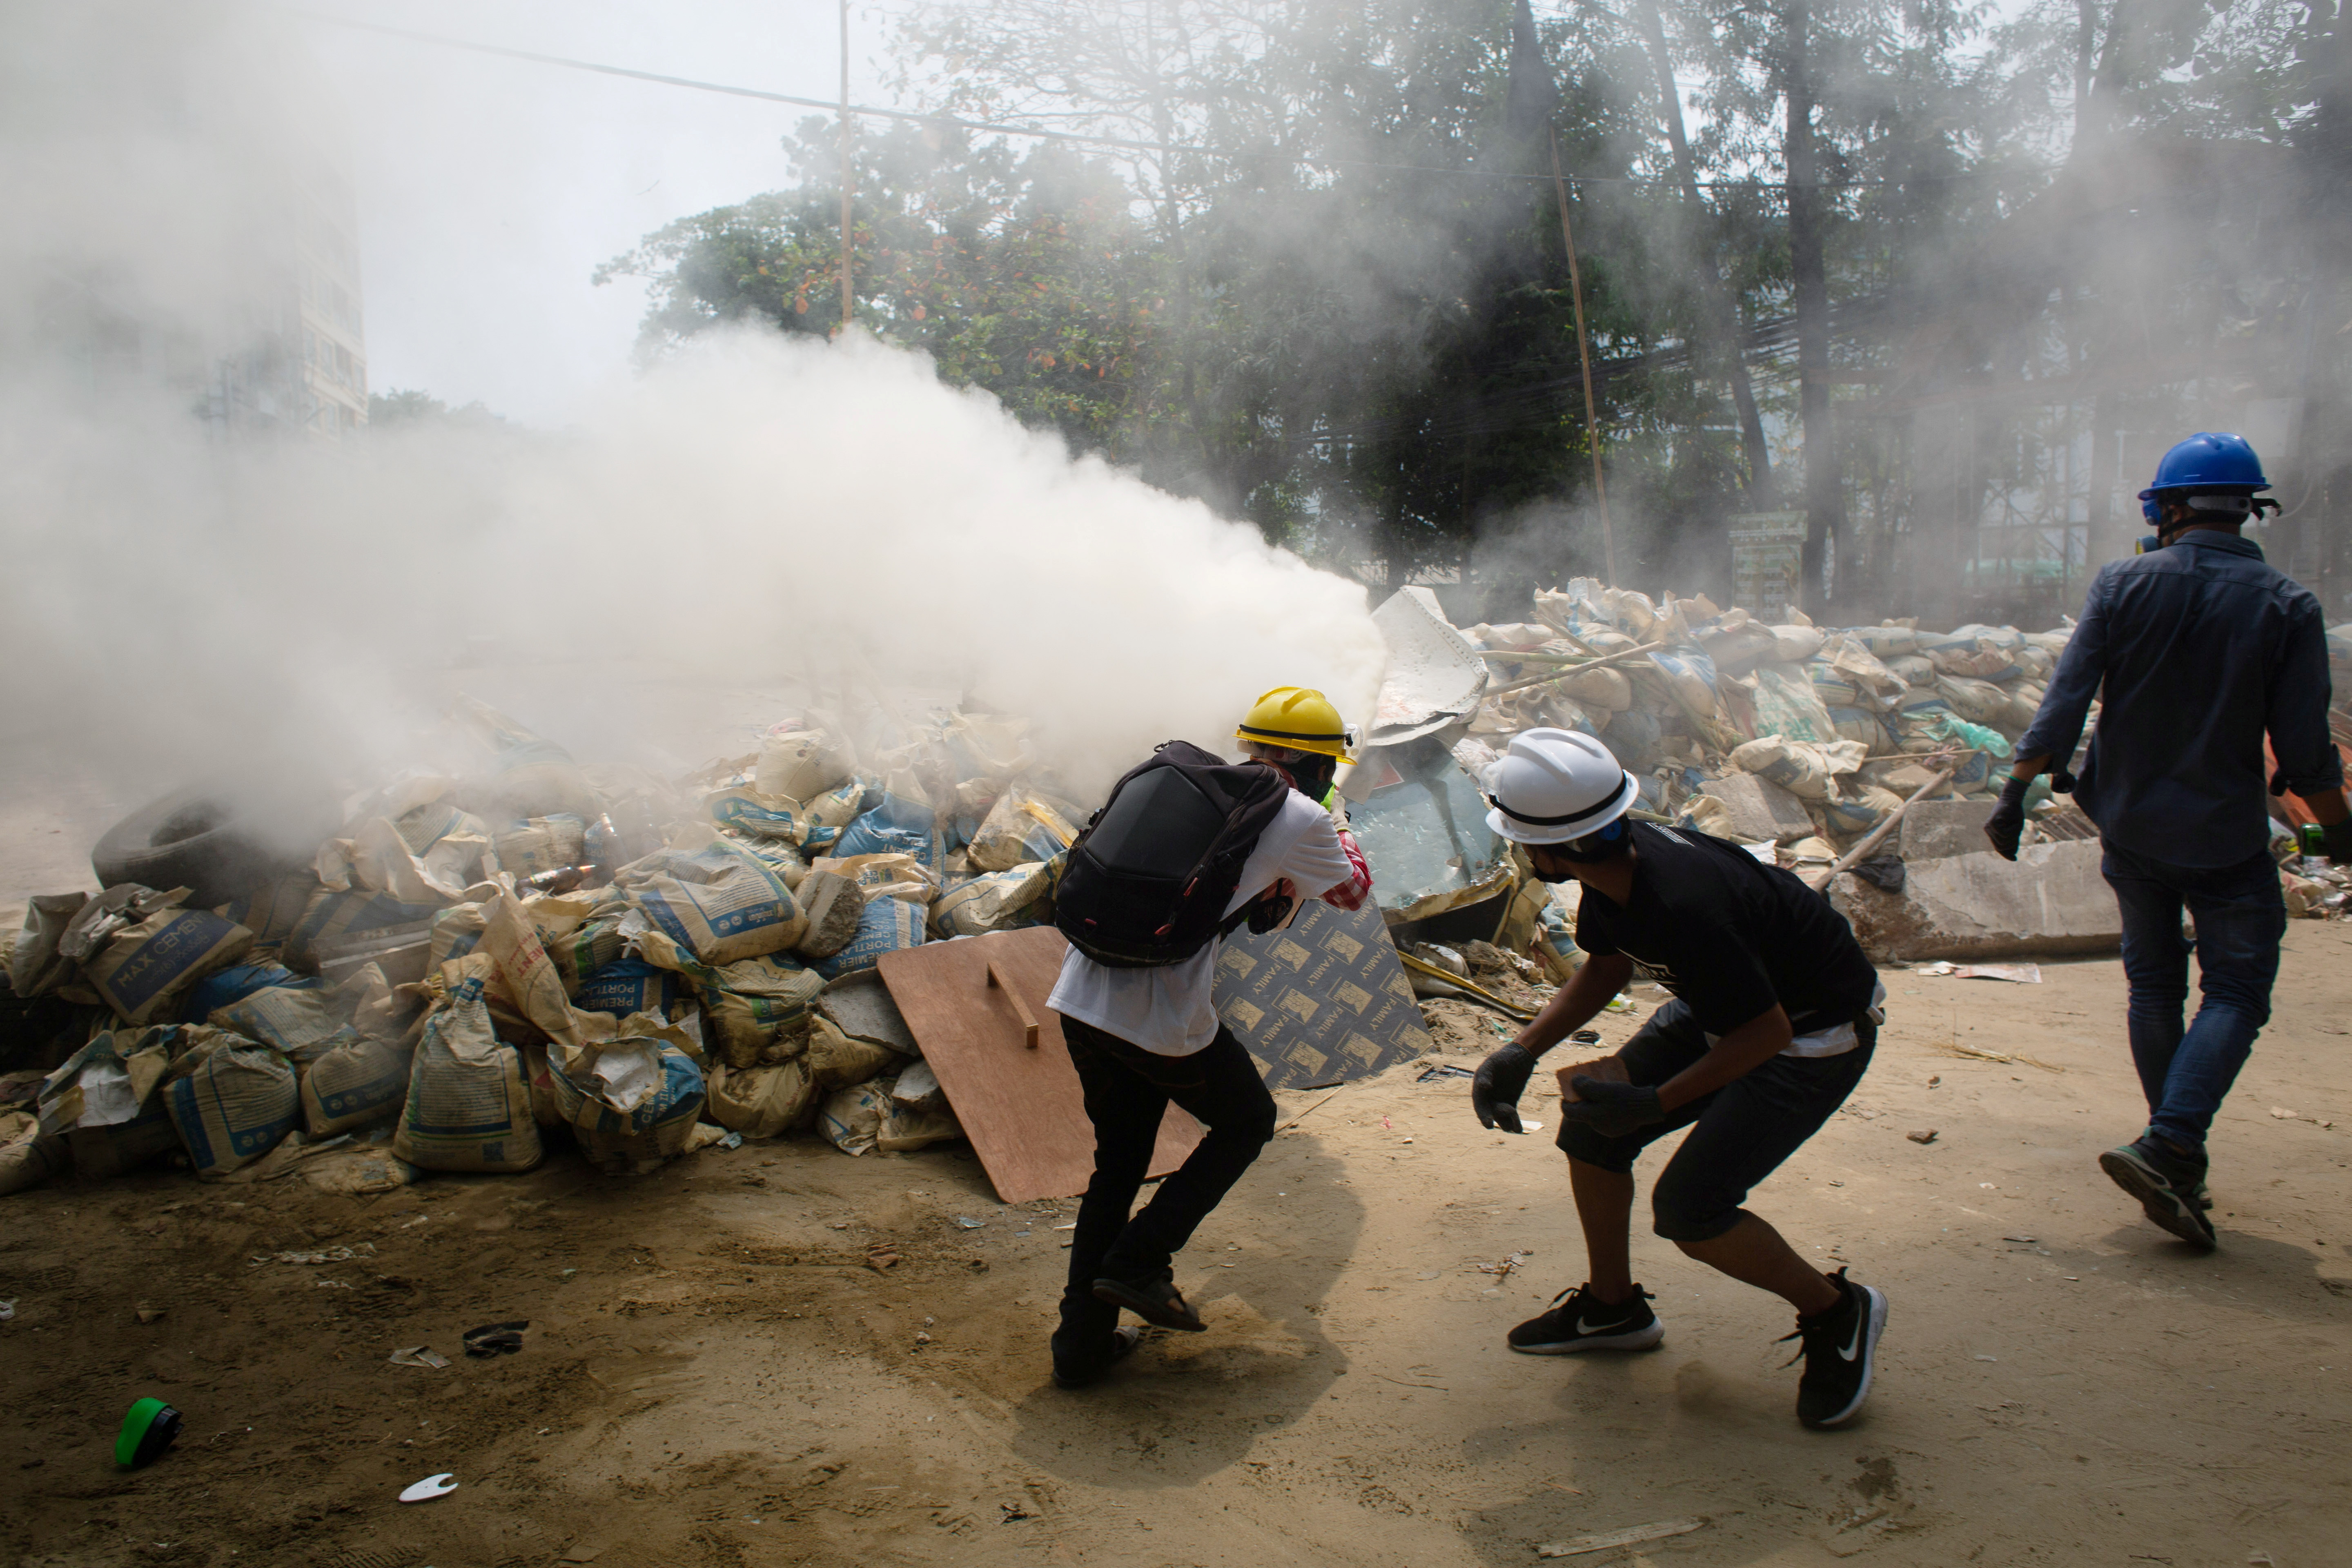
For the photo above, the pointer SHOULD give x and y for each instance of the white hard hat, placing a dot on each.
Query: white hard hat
(1553, 786)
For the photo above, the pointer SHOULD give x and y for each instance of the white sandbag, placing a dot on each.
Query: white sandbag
(540, 844)
(1794, 644)
(1608, 689)
(230, 1102)
(890, 876)
(299, 1022)
(469, 1107)
(757, 1013)
(1022, 825)
(1978, 701)
(839, 1059)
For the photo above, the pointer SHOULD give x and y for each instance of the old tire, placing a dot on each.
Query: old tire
(194, 839)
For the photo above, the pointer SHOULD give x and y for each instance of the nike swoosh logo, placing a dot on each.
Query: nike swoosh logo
(1587, 1326)
(1848, 1349)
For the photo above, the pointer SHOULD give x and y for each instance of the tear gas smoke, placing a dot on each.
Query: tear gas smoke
(750, 515)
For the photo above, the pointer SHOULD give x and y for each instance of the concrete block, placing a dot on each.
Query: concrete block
(1760, 808)
(1941, 829)
(2052, 902)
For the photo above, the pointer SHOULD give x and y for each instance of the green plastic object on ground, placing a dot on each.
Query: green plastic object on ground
(149, 1427)
(1984, 739)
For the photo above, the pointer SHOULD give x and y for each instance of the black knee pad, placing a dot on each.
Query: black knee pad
(1579, 1142)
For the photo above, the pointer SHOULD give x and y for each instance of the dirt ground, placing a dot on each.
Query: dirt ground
(713, 1376)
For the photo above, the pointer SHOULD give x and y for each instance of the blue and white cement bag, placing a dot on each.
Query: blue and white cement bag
(629, 1102)
(887, 925)
(230, 1102)
(468, 1106)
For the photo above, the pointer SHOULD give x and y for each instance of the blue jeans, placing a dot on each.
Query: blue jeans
(2240, 917)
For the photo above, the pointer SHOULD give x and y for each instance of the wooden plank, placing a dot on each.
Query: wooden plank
(977, 1006)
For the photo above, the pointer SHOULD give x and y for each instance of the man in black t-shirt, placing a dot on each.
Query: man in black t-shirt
(1774, 1015)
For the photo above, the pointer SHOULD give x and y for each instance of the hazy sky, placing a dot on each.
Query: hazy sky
(489, 189)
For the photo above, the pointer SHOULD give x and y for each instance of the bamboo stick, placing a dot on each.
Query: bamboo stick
(1877, 835)
(1584, 357)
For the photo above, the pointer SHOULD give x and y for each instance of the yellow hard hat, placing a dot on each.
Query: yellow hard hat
(1300, 720)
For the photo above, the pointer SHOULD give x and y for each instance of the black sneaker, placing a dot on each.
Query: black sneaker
(1841, 1350)
(2170, 1189)
(1072, 1370)
(1579, 1320)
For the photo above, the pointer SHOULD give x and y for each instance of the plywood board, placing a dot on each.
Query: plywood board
(1021, 1105)
(1323, 1001)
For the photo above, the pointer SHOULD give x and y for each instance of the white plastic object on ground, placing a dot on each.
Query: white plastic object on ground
(428, 1489)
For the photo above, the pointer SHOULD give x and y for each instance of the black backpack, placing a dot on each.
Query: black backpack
(1148, 880)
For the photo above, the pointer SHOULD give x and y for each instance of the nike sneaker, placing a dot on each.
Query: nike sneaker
(1840, 1350)
(2170, 1189)
(1579, 1320)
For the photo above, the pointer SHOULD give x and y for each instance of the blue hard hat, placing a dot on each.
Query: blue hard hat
(2208, 461)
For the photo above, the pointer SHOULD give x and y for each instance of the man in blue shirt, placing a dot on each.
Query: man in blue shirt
(2196, 649)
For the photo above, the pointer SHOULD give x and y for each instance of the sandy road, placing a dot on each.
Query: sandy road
(713, 1377)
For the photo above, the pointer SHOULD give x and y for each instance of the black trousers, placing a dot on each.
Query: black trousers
(1127, 1091)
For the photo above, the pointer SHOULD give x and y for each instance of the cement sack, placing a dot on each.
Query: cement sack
(360, 1172)
(841, 1060)
(711, 899)
(1788, 704)
(629, 986)
(526, 975)
(834, 905)
(1794, 644)
(352, 1084)
(376, 858)
(1567, 713)
(468, 1106)
(455, 932)
(1913, 670)
(1737, 644)
(427, 823)
(1801, 769)
(272, 911)
(540, 844)
(27, 1154)
(803, 764)
(111, 1080)
(143, 971)
(1859, 725)
(2024, 704)
(230, 1102)
(896, 825)
(761, 1102)
(1000, 900)
(101, 1154)
(299, 1022)
(1886, 642)
(1632, 738)
(35, 967)
(2035, 664)
(1609, 689)
(1022, 825)
(1874, 682)
(757, 1013)
(852, 1120)
(631, 1102)
(904, 1130)
(1689, 677)
(989, 750)
(885, 877)
(588, 949)
(1978, 701)
(330, 915)
(526, 776)
(237, 983)
(886, 925)
(1975, 661)
(753, 815)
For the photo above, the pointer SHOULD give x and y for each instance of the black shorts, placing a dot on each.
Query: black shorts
(1740, 1134)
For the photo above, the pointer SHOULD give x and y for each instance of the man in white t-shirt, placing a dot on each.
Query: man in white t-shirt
(1141, 1037)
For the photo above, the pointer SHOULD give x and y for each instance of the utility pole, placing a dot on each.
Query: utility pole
(1584, 357)
(848, 175)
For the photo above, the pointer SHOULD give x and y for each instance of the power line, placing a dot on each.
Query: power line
(1123, 143)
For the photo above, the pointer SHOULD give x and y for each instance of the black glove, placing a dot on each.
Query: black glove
(1496, 1088)
(2007, 823)
(1612, 1109)
(2339, 841)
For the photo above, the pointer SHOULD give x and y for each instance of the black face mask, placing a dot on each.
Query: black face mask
(1605, 844)
(1311, 774)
